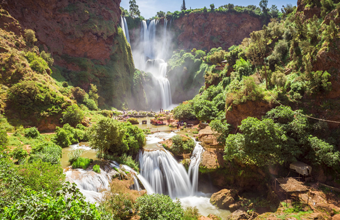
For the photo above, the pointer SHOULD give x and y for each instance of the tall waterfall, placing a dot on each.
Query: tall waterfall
(166, 176)
(149, 55)
(125, 28)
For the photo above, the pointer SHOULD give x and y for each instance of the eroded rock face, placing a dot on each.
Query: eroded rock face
(224, 198)
(239, 215)
(245, 110)
(212, 159)
(211, 30)
(208, 138)
(85, 42)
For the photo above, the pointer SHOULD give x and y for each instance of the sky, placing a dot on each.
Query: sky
(149, 8)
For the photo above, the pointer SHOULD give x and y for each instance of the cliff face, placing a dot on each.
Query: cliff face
(85, 41)
(211, 30)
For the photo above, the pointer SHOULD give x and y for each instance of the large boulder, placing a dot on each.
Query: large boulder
(224, 199)
(208, 138)
(238, 215)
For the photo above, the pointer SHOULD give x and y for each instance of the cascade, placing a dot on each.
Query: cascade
(149, 57)
(166, 176)
(125, 28)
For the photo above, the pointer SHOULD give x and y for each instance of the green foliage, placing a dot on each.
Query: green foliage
(31, 132)
(111, 136)
(182, 144)
(46, 152)
(243, 68)
(30, 36)
(222, 128)
(96, 168)
(93, 93)
(47, 57)
(90, 104)
(37, 63)
(74, 155)
(73, 115)
(120, 205)
(134, 10)
(65, 84)
(41, 175)
(184, 111)
(31, 98)
(191, 213)
(284, 136)
(82, 163)
(42, 205)
(19, 153)
(3, 138)
(199, 54)
(68, 135)
(158, 206)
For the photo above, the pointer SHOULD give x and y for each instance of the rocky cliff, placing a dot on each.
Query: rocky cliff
(209, 30)
(86, 43)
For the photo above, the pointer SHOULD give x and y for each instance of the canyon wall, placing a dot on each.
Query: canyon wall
(86, 43)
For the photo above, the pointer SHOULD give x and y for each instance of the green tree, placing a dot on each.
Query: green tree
(161, 14)
(73, 115)
(158, 206)
(30, 37)
(108, 134)
(212, 7)
(264, 6)
(134, 9)
(93, 93)
(3, 139)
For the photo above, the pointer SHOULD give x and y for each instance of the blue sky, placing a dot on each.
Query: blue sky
(149, 8)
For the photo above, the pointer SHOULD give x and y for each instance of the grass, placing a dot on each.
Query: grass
(96, 168)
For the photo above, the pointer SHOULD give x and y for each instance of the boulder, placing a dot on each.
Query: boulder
(208, 138)
(224, 199)
(238, 215)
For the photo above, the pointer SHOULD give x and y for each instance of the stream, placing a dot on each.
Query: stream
(160, 173)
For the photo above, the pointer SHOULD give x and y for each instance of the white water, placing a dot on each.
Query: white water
(125, 28)
(167, 176)
(149, 55)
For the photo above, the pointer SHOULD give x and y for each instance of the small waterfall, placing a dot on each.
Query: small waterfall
(166, 176)
(125, 28)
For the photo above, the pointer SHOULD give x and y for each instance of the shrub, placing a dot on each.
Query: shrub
(46, 152)
(68, 135)
(42, 205)
(182, 144)
(37, 63)
(91, 104)
(65, 84)
(19, 153)
(158, 206)
(79, 94)
(133, 121)
(40, 175)
(31, 132)
(82, 163)
(30, 36)
(74, 155)
(3, 138)
(121, 205)
(111, 136)
(73, 115)
(62, 137)
(47, 57)
(106, 113)
(199, 54)
(96, 168)
(191, 213)
(184, 111)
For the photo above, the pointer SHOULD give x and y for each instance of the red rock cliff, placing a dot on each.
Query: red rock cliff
(211, 30)
(85, 41)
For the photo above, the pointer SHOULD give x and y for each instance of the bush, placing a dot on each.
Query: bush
(31, 132)
(106, 113)
(19, 154)
(74, 155)
(133, 121)
(96, 168)
(65, 84)
(82, 163)
(46, 152)
(158, 206)
(121, 205)
(73, 115)
(113, 137)
(79, 94)
(40, 175)
(184, 111)
(62, 137)
(3, 138)
(42, 205)
(47, 57)
(30, 36)
(37, 63)
(199, 54)
(68, 135)
(91, 104)
(182, 144)
(191, 213)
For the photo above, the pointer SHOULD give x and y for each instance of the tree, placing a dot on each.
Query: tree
(30, 37)
(264, 6)
(73, 115)
(274, 11)
(183, 6)
(93, 93)
(161, 14)
(134, 9)
(3, 138)
(212, 7)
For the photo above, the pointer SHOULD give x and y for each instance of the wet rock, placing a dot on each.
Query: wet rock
(224, 199)
(238, 215)
(209, 138)
(212, 159)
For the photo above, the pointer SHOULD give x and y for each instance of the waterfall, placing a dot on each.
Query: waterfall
(125, 28)
(166, 176)
(149, 57)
